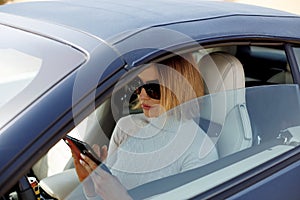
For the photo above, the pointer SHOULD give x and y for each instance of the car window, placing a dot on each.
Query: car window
(297, 55)
(263, 64)
(17, 70)
(232, 115)
(228, 131)
(278, 137)
(29, 65)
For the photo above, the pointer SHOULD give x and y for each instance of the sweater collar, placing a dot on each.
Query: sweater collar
(152, 126)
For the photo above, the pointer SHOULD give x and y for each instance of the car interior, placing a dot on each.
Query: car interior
(223, 72)
(231, 68)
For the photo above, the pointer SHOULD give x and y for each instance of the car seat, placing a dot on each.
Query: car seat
(224, 79)
(283, 77)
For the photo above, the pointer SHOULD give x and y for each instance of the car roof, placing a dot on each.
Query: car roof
(106, 19)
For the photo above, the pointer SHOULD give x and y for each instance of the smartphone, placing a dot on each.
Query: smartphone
(83, 147)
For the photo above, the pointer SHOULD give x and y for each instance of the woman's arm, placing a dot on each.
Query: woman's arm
(82, 173)
(105, 184)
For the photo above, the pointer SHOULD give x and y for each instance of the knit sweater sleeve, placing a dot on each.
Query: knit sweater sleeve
(114, 141)
(118, 136)
(201, 152)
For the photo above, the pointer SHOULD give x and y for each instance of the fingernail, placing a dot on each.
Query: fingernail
(82, 156)
(81, 162)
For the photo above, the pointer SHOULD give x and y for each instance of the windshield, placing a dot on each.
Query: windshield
(29, 65)
(17, 69)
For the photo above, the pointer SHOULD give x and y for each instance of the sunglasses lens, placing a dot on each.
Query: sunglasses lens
(153, 90)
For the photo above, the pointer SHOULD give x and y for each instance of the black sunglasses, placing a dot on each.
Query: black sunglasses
(152, 88)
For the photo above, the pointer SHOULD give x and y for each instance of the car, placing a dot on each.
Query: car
(67, 68)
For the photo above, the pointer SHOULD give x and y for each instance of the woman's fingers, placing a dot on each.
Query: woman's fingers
(96, 149)
(74, 149)
(103, 155)
(88, 163)
(108, 186)
(86, 166)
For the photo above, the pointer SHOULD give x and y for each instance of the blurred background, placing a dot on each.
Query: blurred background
(15, 1)
(292, 6)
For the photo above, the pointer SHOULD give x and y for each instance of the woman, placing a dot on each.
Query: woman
(157, 143)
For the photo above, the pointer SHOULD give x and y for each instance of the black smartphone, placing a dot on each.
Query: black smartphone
(83, 147)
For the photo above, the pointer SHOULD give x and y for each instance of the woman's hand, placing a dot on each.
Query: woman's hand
(105, 184)
(81, 171)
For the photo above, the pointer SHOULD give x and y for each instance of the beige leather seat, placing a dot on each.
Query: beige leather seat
(284, 77)
(224, 77)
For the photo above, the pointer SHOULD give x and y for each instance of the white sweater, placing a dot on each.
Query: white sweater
(145, 149)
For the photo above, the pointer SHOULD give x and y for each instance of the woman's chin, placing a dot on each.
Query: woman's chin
(151, 113)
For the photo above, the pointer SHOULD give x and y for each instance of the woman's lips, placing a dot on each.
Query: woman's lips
(146, 107)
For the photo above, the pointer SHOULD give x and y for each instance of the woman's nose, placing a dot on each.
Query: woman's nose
(143, 94)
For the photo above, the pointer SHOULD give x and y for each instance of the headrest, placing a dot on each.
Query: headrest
(221, 71)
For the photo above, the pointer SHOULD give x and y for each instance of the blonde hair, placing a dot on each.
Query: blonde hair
(180, 80)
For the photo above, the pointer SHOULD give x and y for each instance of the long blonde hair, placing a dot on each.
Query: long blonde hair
(180, 80)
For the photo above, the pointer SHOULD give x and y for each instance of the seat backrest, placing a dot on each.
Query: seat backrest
(224, 78)
(283, 77)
